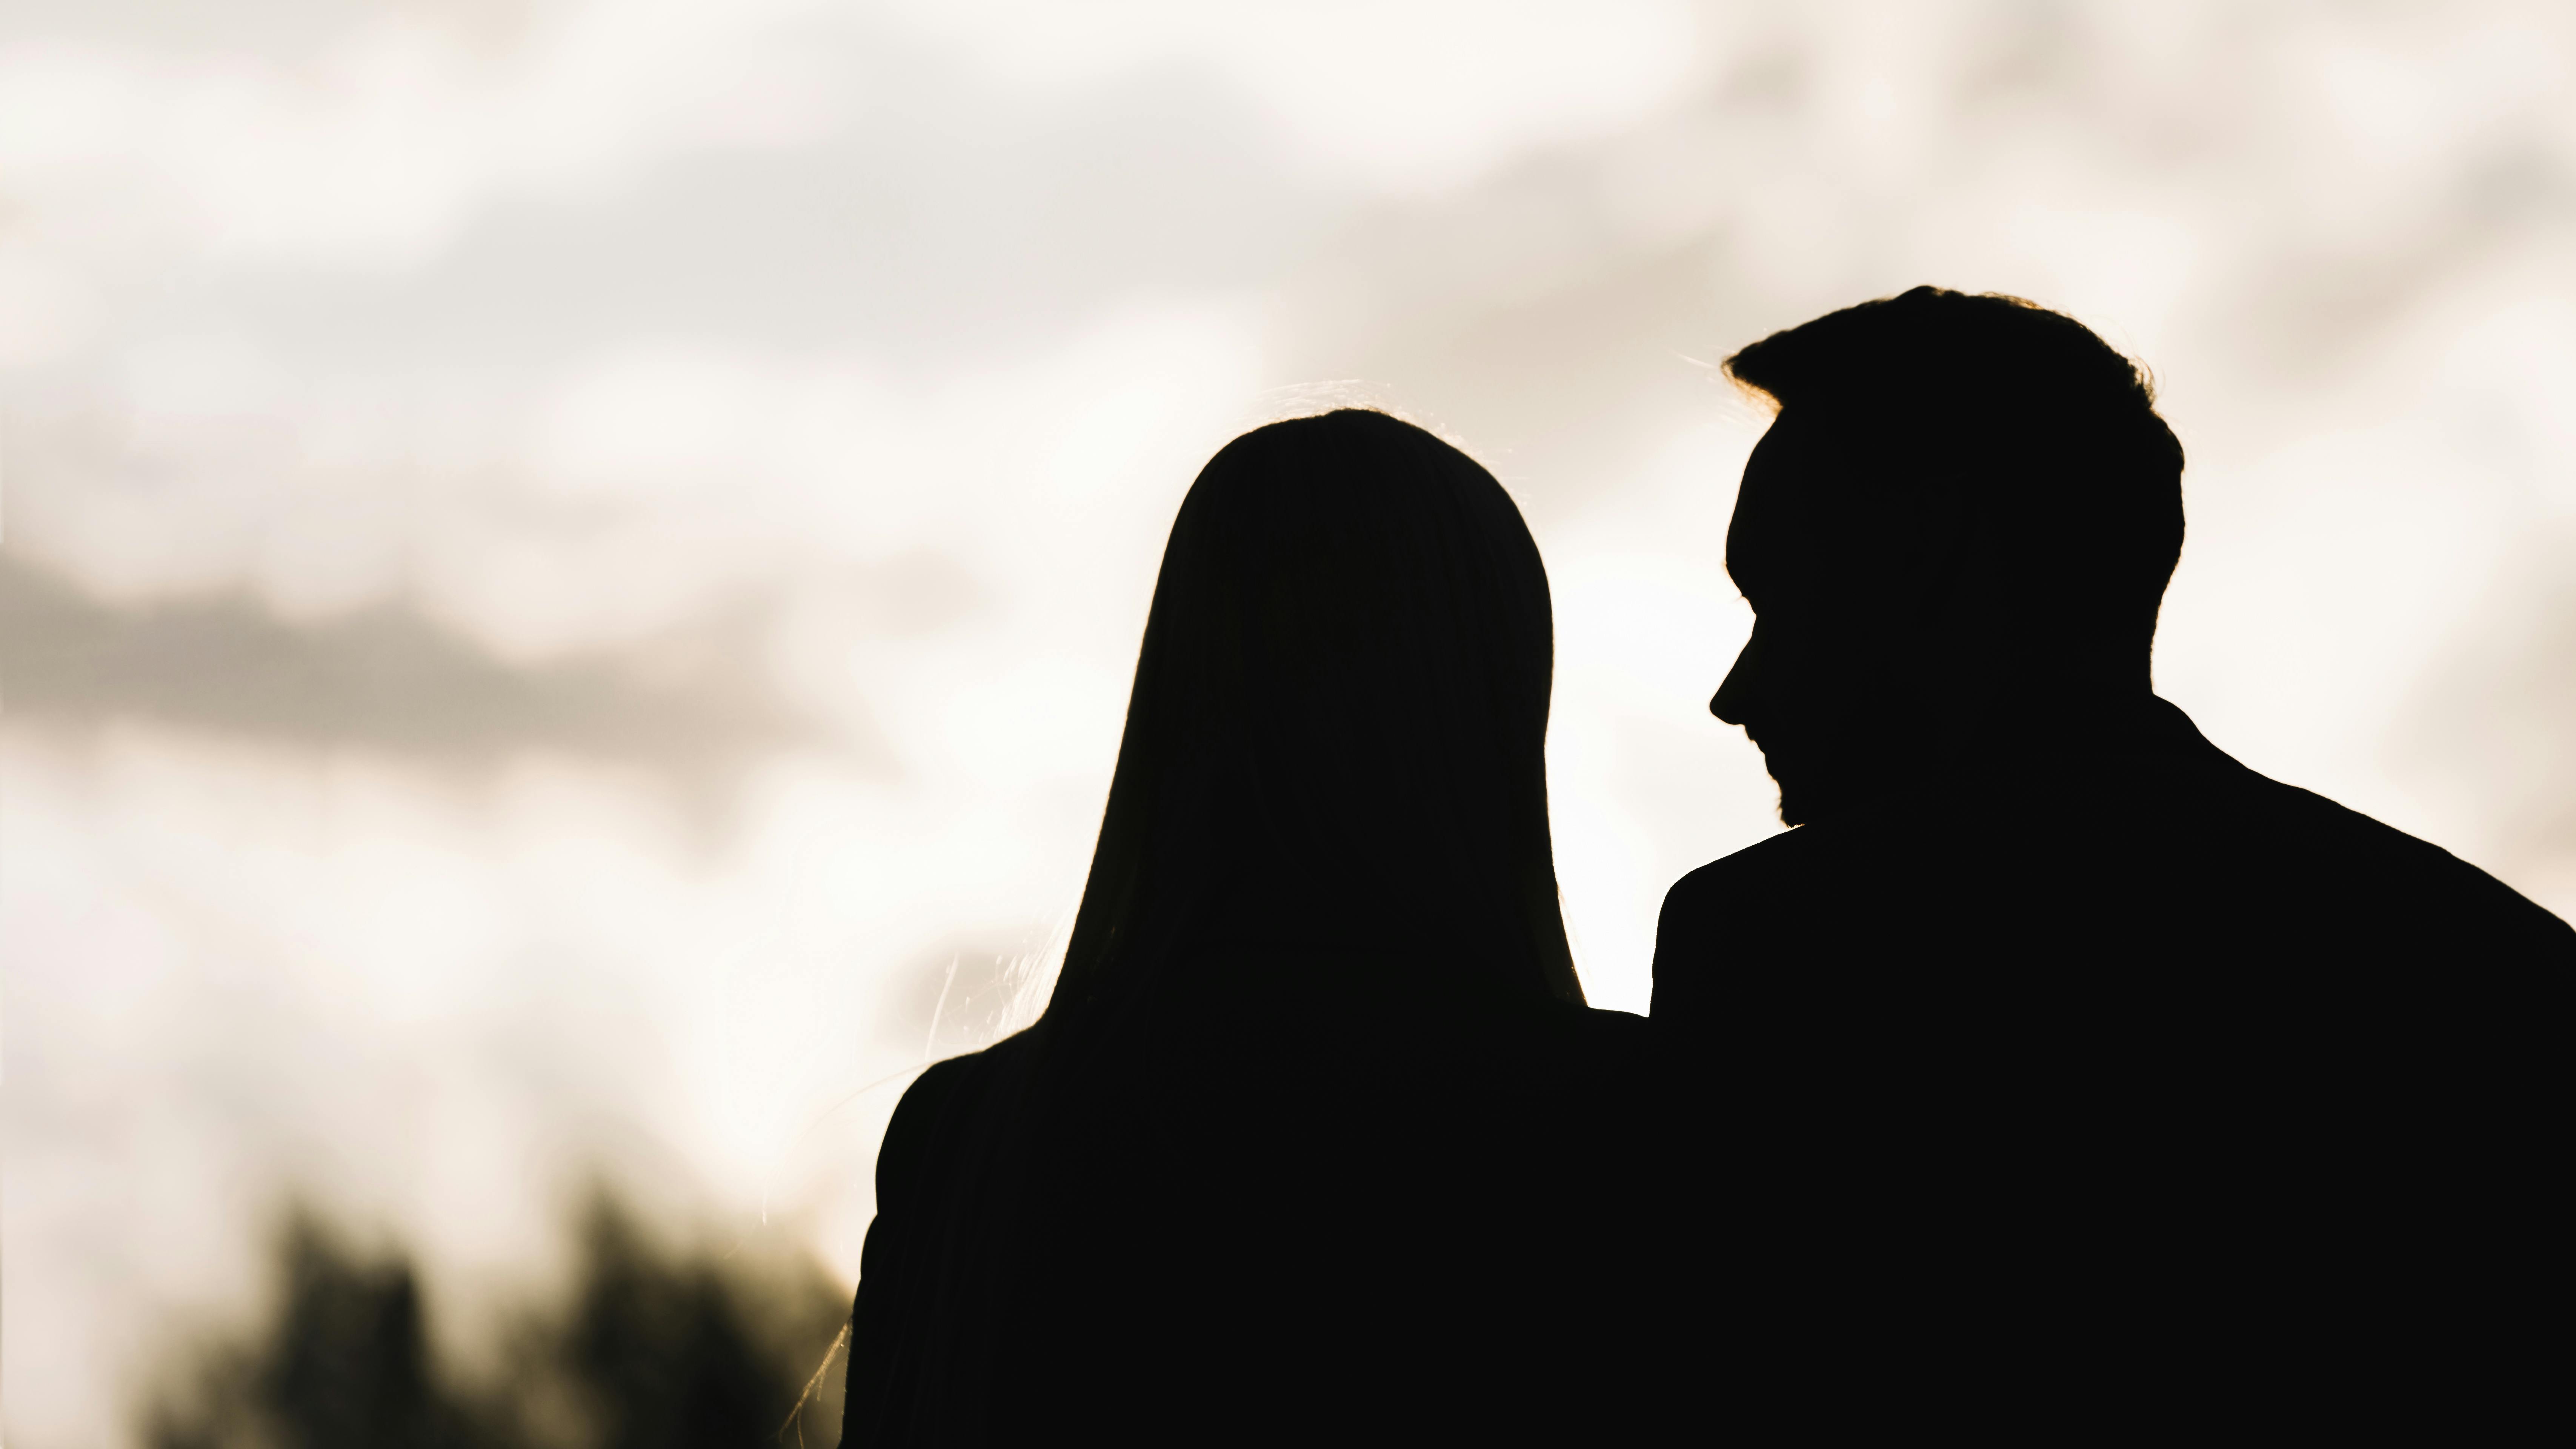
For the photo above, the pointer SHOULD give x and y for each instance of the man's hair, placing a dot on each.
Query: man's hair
(2029, 416)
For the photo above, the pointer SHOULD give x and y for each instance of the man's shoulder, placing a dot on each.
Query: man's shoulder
(1748, 905)
(2368, 860)
(1757, 871)
(2301, 866)
(1798, 882)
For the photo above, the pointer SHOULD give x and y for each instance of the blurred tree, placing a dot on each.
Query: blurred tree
(661, 1349)
(656, 1350)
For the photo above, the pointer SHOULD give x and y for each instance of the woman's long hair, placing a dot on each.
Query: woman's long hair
(1334, 749)
(1337, 733)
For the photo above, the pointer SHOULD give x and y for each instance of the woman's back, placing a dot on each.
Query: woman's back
(1274, 1216)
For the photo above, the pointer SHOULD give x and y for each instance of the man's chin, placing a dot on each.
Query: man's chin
(1801, 802)
(1793, 810)
(1804, 798)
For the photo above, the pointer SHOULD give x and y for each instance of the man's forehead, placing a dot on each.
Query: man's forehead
(1771, 526)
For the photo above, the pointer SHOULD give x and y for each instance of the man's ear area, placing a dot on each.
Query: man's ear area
(1903, 491)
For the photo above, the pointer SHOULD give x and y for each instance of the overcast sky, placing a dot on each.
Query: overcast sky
(571, 568)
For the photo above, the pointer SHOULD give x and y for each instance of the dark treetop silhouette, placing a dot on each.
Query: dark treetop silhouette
(1310, 1142)
(2059, 1068)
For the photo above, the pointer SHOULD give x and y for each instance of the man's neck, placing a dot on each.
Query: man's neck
(2034, 738)
(2007, 743)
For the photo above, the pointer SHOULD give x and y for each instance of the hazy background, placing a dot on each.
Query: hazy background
(571, 569)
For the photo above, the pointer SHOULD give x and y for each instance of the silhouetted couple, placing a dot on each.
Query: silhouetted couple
(2057, 1078)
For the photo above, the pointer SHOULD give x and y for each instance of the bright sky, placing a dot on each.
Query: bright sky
(569, 567)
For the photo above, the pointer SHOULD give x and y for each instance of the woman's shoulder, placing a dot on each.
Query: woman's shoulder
(935, 1108)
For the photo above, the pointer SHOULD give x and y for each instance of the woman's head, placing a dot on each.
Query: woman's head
(1336, 737)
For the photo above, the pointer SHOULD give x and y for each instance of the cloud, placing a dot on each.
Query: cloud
(375, 149)
(1424, 95)
(383, 678)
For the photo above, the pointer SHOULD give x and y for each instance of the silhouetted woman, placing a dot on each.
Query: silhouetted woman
(1315, 1140)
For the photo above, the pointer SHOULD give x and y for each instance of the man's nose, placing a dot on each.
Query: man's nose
(1737, 697)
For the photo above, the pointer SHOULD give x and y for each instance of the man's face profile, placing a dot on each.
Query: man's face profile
(1835, 682)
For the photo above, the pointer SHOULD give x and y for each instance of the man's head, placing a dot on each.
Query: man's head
(1966, 505)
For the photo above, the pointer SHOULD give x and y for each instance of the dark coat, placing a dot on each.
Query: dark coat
(2112, 1084)
(1299, 1206)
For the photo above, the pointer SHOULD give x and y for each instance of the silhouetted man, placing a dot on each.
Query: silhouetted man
(2060, 1074)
